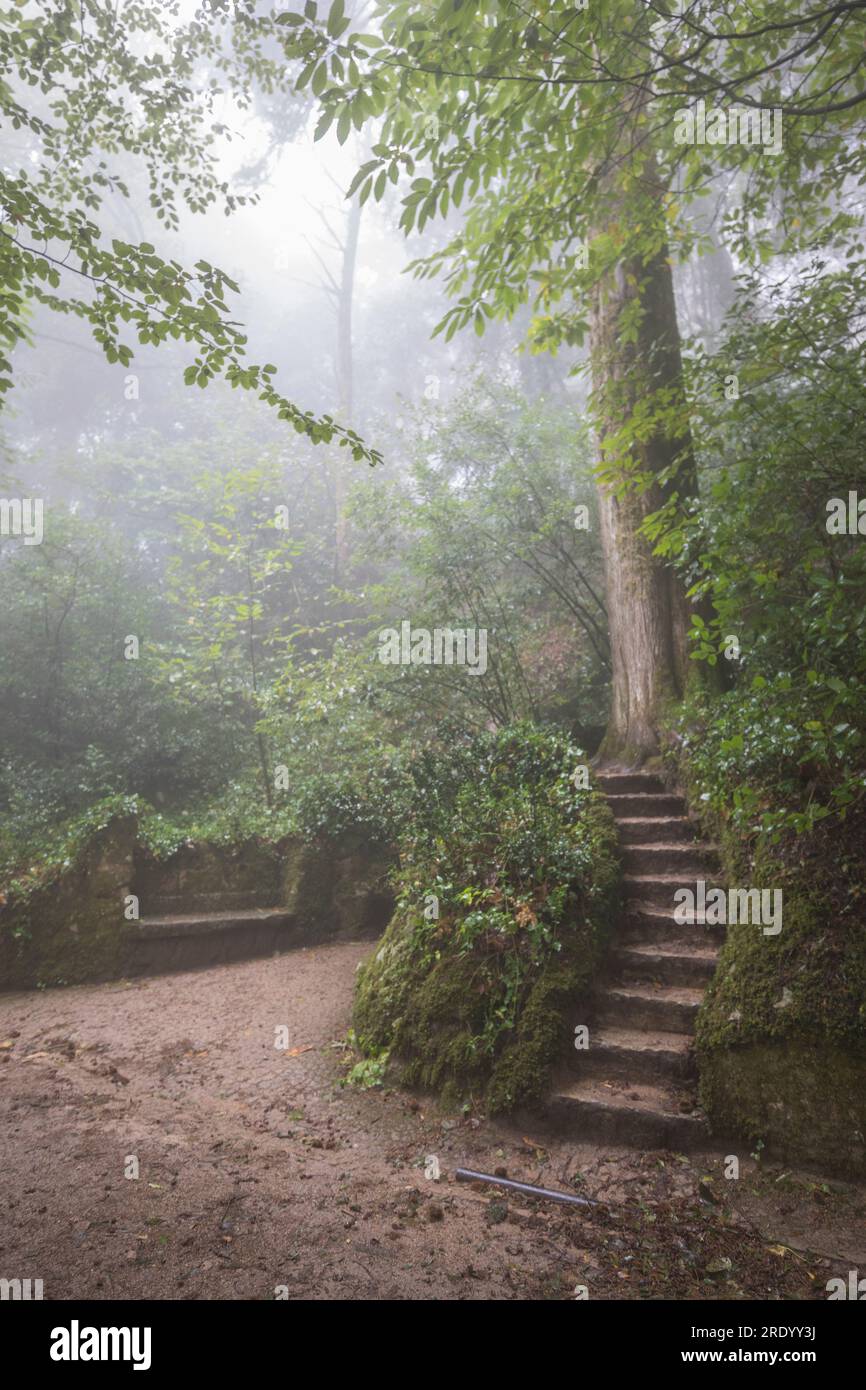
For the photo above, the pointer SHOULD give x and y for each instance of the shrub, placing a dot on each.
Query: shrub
(507, 882)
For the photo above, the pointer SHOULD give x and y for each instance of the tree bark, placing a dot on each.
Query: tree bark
(646, 601)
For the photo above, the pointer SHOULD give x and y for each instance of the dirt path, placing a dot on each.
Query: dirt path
(258, 1173)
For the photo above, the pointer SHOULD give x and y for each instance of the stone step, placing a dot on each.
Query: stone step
(196, 940)
(634, 1054)
(629, 783)
(646, 804)
(660, 888)
(646, 830)
(639, 1115)
(668, 963)
(650, 922)
(672, 1008)
(186, 904)
(193, 923)
(693, 861)
(632, 1085)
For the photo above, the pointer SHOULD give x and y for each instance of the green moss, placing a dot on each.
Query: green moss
(805, 1100)
(338, 884)
(521, 1072)
(781, 1032)
(71, 927)
(810, 979)
(428, 1017)
(432, 1008)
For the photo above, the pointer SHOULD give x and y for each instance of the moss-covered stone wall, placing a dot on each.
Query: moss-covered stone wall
(73, 927)
(781, 1034)
(338, 886)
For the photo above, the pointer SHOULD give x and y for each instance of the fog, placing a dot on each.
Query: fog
(404, 637)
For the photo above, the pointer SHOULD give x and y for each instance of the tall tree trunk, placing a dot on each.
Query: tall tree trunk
(646, 602)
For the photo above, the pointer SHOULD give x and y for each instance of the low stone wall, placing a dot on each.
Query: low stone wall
(780, 1037)
(204, 905)
(208, 877)
(800, 1102)
(338, 887)
(72, 928)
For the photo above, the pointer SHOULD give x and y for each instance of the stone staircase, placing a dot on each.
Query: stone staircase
(636, 1082)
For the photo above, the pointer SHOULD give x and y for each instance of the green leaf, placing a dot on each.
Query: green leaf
(337, 21)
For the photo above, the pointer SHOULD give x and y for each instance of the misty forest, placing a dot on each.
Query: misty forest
(433, 623)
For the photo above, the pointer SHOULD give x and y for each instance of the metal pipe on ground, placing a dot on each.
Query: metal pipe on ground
(527, 1188)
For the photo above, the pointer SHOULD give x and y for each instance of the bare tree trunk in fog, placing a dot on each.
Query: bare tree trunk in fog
(264, 761)
(345, 380)
(707, 287)
(341, 291)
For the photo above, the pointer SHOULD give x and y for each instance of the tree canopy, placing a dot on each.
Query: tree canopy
(92, 86)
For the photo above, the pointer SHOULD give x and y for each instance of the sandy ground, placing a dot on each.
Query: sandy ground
(260, 1176)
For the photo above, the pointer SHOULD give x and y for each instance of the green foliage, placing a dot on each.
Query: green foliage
(479, 531)
(250, 659)
(786, 747)
(91, 88)
(768, 763)
(54, 846)
(370, 801)
(530, 125)
(506, 884)
(370, 1071)
(367, 799)
(189, 559)
(80, 721)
